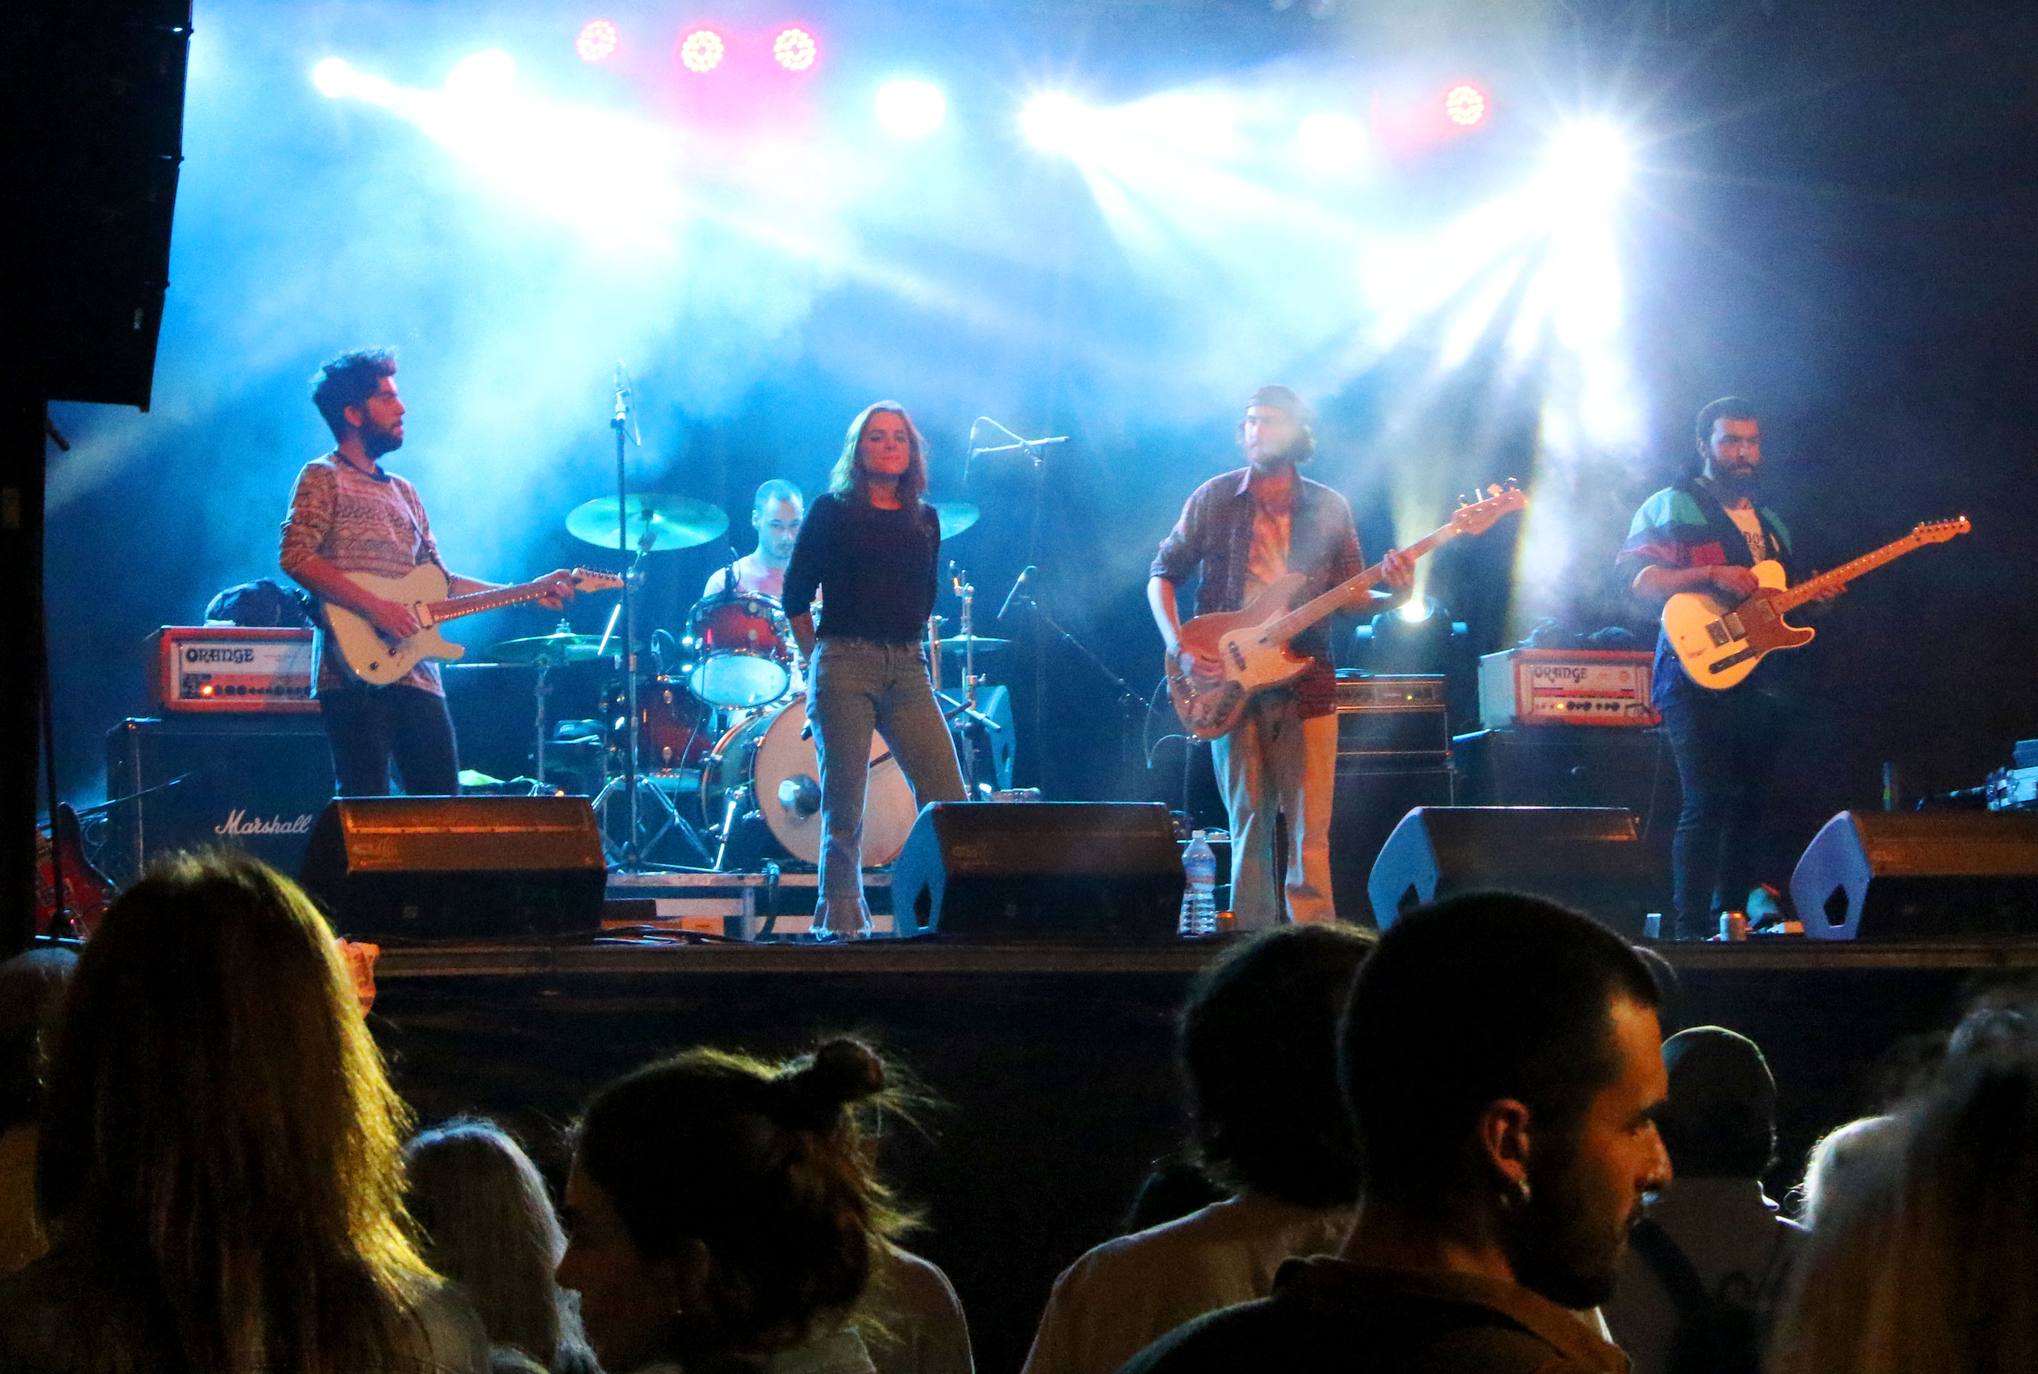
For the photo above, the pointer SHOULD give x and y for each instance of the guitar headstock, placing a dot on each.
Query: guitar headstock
(591, 580)
(1939, 531)
(1476, 516)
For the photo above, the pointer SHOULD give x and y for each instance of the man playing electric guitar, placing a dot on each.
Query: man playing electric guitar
(1244, 529)
(1706, 534)
(348, 516)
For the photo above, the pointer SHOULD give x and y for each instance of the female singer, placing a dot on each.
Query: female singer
(871, 546)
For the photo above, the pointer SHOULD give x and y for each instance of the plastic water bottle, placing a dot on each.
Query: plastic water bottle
(1199, 889)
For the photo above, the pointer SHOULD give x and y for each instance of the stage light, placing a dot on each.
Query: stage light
(484, 75)
(1587, 165)
(334, 77)
(701, 51)
(1465, 105)
(1416, 609)
(597, 40)
(794, 49)
(1331, 142)
(1054, 122)
(909, 108)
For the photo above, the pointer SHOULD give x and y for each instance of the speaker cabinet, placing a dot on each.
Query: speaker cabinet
(1018, 870)
(435, 867)
(257, 783)
(1911, 876)
(1586, 857)
(1368, 804)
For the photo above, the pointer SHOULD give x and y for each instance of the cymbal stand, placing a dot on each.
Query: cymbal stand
(961, 712)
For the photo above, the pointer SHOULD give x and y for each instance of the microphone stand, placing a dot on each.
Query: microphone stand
(1127, 698)
(621, 423)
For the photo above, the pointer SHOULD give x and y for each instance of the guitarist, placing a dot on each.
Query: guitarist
(1242, 530)
(347, 515)
(1705, 534)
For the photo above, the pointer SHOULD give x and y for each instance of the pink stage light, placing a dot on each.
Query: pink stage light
(597, 41)
(1465, 105)
(794, 49)
(701, 51)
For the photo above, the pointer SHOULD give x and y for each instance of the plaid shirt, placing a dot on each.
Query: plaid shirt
(1215, 532)
(1684, 526)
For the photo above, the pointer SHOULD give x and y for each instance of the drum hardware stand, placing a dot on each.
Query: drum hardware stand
(959, 712)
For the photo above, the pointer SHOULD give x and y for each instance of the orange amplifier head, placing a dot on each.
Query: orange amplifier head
(1565, 687)
(225, 668)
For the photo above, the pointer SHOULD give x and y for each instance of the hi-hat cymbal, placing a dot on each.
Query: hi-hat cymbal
(955, 516)
(657, 522)
(553, 648)
(982, 644)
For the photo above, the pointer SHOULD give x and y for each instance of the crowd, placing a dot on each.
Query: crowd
(1463, 1145)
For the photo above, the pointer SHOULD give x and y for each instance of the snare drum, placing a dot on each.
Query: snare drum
(743, 650)
(770, 759)
(676, 731)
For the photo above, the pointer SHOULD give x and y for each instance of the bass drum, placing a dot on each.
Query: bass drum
(775, 775)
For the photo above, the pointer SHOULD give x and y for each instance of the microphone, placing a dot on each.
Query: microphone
(1013, 595)
(624, 417)
(1023, 446)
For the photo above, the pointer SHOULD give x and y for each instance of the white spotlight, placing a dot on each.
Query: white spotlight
(1331, 142)
(1054, 122)
(485, 75)
(908, 108)
(1587, 165)
(334, 77)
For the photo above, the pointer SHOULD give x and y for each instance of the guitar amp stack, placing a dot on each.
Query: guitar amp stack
(1565, 687)
(231, 670)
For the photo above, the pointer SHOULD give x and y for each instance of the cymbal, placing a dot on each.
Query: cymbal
(657, 522)
(955, 516)
(554, 648)
(983, 644)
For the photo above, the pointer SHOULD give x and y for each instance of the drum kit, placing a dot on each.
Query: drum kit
(718, 748)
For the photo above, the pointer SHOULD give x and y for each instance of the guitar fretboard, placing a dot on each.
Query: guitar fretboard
(1284, 628)
(1867, 562)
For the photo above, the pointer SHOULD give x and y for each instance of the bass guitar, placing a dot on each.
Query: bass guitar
(1719, 644)
(374, 658)
(1250, 645)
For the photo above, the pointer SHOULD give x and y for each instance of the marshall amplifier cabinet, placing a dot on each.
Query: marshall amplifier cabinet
(1565, 687)
(189, 782)
(227, 669)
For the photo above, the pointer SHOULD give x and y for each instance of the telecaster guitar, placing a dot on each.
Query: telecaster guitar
(373, 658)
(1251, 644)
(1719, 645)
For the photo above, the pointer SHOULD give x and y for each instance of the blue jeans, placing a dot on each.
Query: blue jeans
(860, 685)
(1725, 744)
(367, 727)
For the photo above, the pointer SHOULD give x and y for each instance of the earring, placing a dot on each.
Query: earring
(1520, 1195)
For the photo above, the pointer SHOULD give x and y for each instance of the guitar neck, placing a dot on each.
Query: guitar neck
(453, 607)
(1846, 572)
(1286, 627)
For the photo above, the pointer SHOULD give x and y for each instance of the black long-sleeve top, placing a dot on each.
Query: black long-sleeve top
(876, 569)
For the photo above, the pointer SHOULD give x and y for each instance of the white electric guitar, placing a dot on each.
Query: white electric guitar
(372, 657)
(1719, 645)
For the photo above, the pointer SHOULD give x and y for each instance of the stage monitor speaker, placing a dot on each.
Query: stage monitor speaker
(1587, 857)
(438, 867)
(1910, 876)
(1027, 870)
(257, 783)
(1368, 805)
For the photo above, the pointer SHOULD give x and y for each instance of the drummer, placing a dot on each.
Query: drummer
(775, 514)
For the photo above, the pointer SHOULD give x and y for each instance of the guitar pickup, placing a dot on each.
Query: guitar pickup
(1237, 658)
(1725, 630)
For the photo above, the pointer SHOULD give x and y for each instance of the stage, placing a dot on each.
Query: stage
(1052, 1059)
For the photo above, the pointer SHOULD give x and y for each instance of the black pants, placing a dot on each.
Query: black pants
(369, 726)
(1725, 744)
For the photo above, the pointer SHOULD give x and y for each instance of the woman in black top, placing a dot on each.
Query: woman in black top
(870, 545)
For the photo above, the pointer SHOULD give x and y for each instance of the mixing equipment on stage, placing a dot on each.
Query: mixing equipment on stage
(1565, 687)
(228, 669)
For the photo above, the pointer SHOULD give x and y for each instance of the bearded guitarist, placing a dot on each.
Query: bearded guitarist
(348, 516)
(1706, 534)
(1243, 530)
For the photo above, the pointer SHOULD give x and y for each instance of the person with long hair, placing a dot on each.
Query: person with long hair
(871, 546)
(489, 1226)
(220, 1163)
(1921, 1252)
(722, 1214)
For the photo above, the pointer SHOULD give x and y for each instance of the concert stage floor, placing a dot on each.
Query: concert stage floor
(1053, 1057)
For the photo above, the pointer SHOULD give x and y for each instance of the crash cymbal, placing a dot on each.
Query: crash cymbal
(983, 644)
(657, 522)
(955, 516)
(554, 648)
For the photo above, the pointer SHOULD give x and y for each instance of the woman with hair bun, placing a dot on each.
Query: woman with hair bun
(721, 1214)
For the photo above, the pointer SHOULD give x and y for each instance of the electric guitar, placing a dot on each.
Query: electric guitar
(1719, 645)
(86, 891)
(1251, 644)
(372, 657)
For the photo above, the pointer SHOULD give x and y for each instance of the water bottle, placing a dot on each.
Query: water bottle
(1199, 889)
